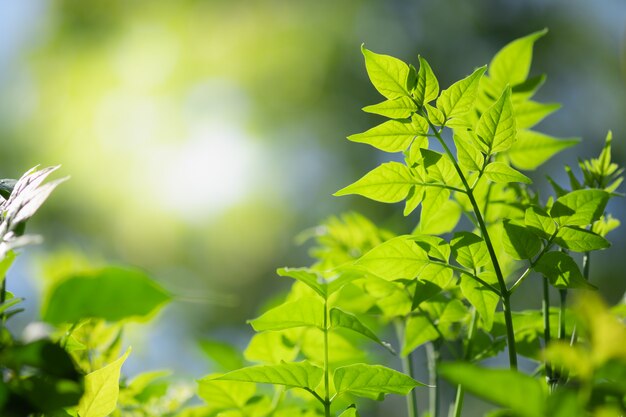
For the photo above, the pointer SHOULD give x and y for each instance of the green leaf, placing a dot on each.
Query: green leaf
(485, 301)
(307, 277)
(298, 374)
(92, 294)
(306, 311)
(225, 394)
(502, 173)
(440, 219)
(396, 258)
(459, 97)
(580, 207)
(470, 158)
(580, 240)
(533, 149)
(518, 241)
(372, 381)
(6, 263)
(388, 74)
(270, 347)
(512, 63)
(539, 222)
(393, 135)
(507, 388)
(496, 127)
(529, 113)
(561, 270)
(339, 318)
(605, 225)
(418, 331)
(469, 250)
(397, 108)
(424, 290)
(427, 88)
(102, 389)
(435, 115)
(350, 412)
(387, 183)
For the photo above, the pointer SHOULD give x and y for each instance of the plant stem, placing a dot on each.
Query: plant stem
(505, 296)
(3, 298)
(407, 368)
(460, 391)
(326, 372)
(586, 261)
(546, 328)
(432, 353)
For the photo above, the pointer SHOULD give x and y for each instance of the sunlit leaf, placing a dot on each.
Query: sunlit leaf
(372, 381)
(307, 277)
(561, 270)
(388, 74)
(393, 135)
(396, 258)
(397, 108)
(539, 222)
(270, 347)
(225, 355)
(459, 97)
(496, 127)
(484, 300)
(470, 158)
(225, 394)
(102, 390)
(529, 113)
(512, 63)
(299, 374)
(427, 88)
(418, 331)
(306, 311)
(502, 173)
(340, 318)
(580, 240)
(518, 241)
(531, 149)
(469, 250)
(580, 207)
(387, 183)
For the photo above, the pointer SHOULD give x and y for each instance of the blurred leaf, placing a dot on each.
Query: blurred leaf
(225, 394)
(306, 311)
(225, 355)
(533, 148)
(528, 113)
(307, 277)
(418, 331)
(93, 294)
(270, 347)
(485, 301)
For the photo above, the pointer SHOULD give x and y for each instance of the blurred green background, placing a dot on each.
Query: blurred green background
(203, 136)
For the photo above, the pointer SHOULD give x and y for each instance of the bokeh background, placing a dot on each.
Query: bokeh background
(202, 136)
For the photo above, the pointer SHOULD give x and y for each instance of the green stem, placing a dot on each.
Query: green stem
(586, 261)
(545, 249)
(326, 371)
(546, 327)
(407, 368)
(505, 296)
(3, 298)
(460, 391)
(432, 353)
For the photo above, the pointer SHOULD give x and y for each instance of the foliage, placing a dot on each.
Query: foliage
(482, 232)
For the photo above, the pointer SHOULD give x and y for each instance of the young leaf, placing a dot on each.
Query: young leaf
(531, 149)
(225, 394)
(307, 277)
(459, 97)
(424, 290)
(306, 311)
(350, 412)
(512, 63)
(539, 222)
(518, 241)
(387, 183)
(427, 88)
(507, 388)
(484, 300)
(102, 388)
(298, 374)
(580, 240)
(469, 250)
(435, 115)
(413, 199)
(397, 108)
(396, 258)
(339, 318)
(418, 331)
(470, 158)
(372, 381)
(496, 127)
(226, 356)
(393, 135)
(580, 207)
(91, 294)
(502, 173)
(440, 219)
(270, 347)
(561, 270)
(388, 74)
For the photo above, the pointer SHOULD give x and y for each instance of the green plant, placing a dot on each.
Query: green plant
(482, 232)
